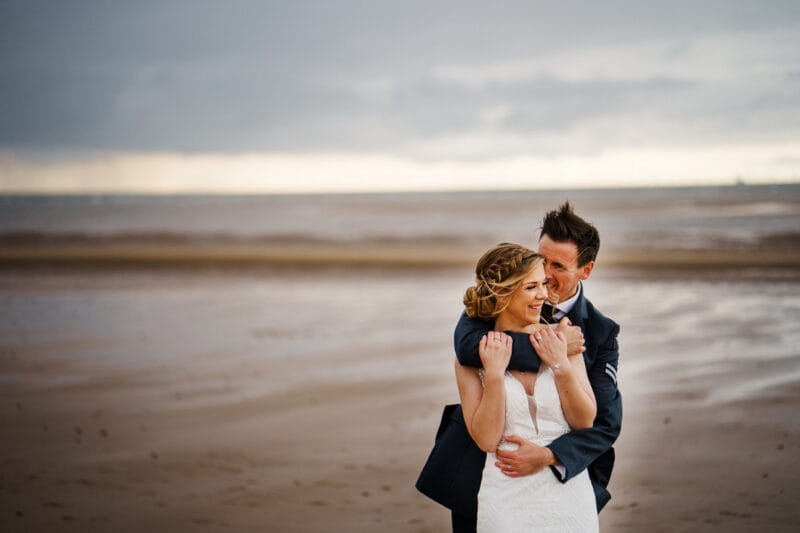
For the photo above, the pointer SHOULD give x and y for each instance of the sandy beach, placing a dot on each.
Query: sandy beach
(276, 363)
(306, 399)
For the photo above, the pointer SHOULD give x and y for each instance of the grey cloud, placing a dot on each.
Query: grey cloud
(208, 76)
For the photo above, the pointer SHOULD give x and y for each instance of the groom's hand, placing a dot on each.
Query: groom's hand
(528, 459)
(573, 335)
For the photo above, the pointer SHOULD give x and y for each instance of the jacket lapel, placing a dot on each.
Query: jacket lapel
(579, 315)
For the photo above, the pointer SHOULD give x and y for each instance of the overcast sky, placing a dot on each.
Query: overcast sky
(331, 95)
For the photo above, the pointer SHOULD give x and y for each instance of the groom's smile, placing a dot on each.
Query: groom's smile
(562, 270)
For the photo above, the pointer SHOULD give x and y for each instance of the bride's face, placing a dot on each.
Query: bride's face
(525, 307)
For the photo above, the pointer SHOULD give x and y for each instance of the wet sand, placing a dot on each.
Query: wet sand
(306, 399)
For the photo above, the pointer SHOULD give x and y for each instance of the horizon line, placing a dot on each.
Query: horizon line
(736, 183)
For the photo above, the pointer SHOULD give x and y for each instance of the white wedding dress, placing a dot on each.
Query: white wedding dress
(538, 502)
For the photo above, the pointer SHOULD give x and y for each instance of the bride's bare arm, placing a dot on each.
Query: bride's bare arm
(574, 389)
(578, 403)
(484, 404)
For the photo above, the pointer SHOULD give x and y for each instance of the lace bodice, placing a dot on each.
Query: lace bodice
(537, 418)
(537, 502)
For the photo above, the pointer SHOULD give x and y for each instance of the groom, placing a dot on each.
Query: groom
(570, 245)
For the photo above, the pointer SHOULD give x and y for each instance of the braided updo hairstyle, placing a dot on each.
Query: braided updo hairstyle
(498, 274)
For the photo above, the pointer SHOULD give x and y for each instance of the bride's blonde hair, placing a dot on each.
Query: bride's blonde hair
(498, 274)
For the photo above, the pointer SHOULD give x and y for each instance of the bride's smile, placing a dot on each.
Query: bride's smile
(525, 306)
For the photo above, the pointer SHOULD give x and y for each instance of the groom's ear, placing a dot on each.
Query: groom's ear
(586, 270)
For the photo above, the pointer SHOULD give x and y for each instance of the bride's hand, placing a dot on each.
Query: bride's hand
(495, 352)
(551, 347)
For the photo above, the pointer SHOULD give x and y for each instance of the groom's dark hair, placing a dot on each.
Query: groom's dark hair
(564, 225)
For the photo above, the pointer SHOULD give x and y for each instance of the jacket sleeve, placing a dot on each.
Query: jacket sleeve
(577, 449)
(468, 334)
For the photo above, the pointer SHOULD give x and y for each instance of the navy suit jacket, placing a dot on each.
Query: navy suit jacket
(581, 449)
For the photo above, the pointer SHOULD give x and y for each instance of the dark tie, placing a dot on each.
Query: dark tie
(547, 314)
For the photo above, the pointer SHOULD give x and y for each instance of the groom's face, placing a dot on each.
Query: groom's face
(562, 270)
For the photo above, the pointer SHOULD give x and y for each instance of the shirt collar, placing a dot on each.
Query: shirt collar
(566, 306)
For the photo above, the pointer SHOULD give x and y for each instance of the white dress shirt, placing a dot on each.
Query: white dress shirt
(566, 306)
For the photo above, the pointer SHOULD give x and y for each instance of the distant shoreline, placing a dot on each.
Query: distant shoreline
(549, 191)
(670, 227)
(355, 255)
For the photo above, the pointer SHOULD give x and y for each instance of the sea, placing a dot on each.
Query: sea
(686, 218)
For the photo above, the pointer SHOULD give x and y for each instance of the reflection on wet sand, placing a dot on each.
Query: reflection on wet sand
(296, 398)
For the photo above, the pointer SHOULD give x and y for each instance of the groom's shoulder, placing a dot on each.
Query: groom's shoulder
(598, 319)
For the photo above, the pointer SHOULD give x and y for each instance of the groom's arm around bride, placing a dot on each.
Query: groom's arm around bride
(580, 449)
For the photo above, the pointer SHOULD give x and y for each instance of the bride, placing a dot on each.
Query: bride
(502, 406)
